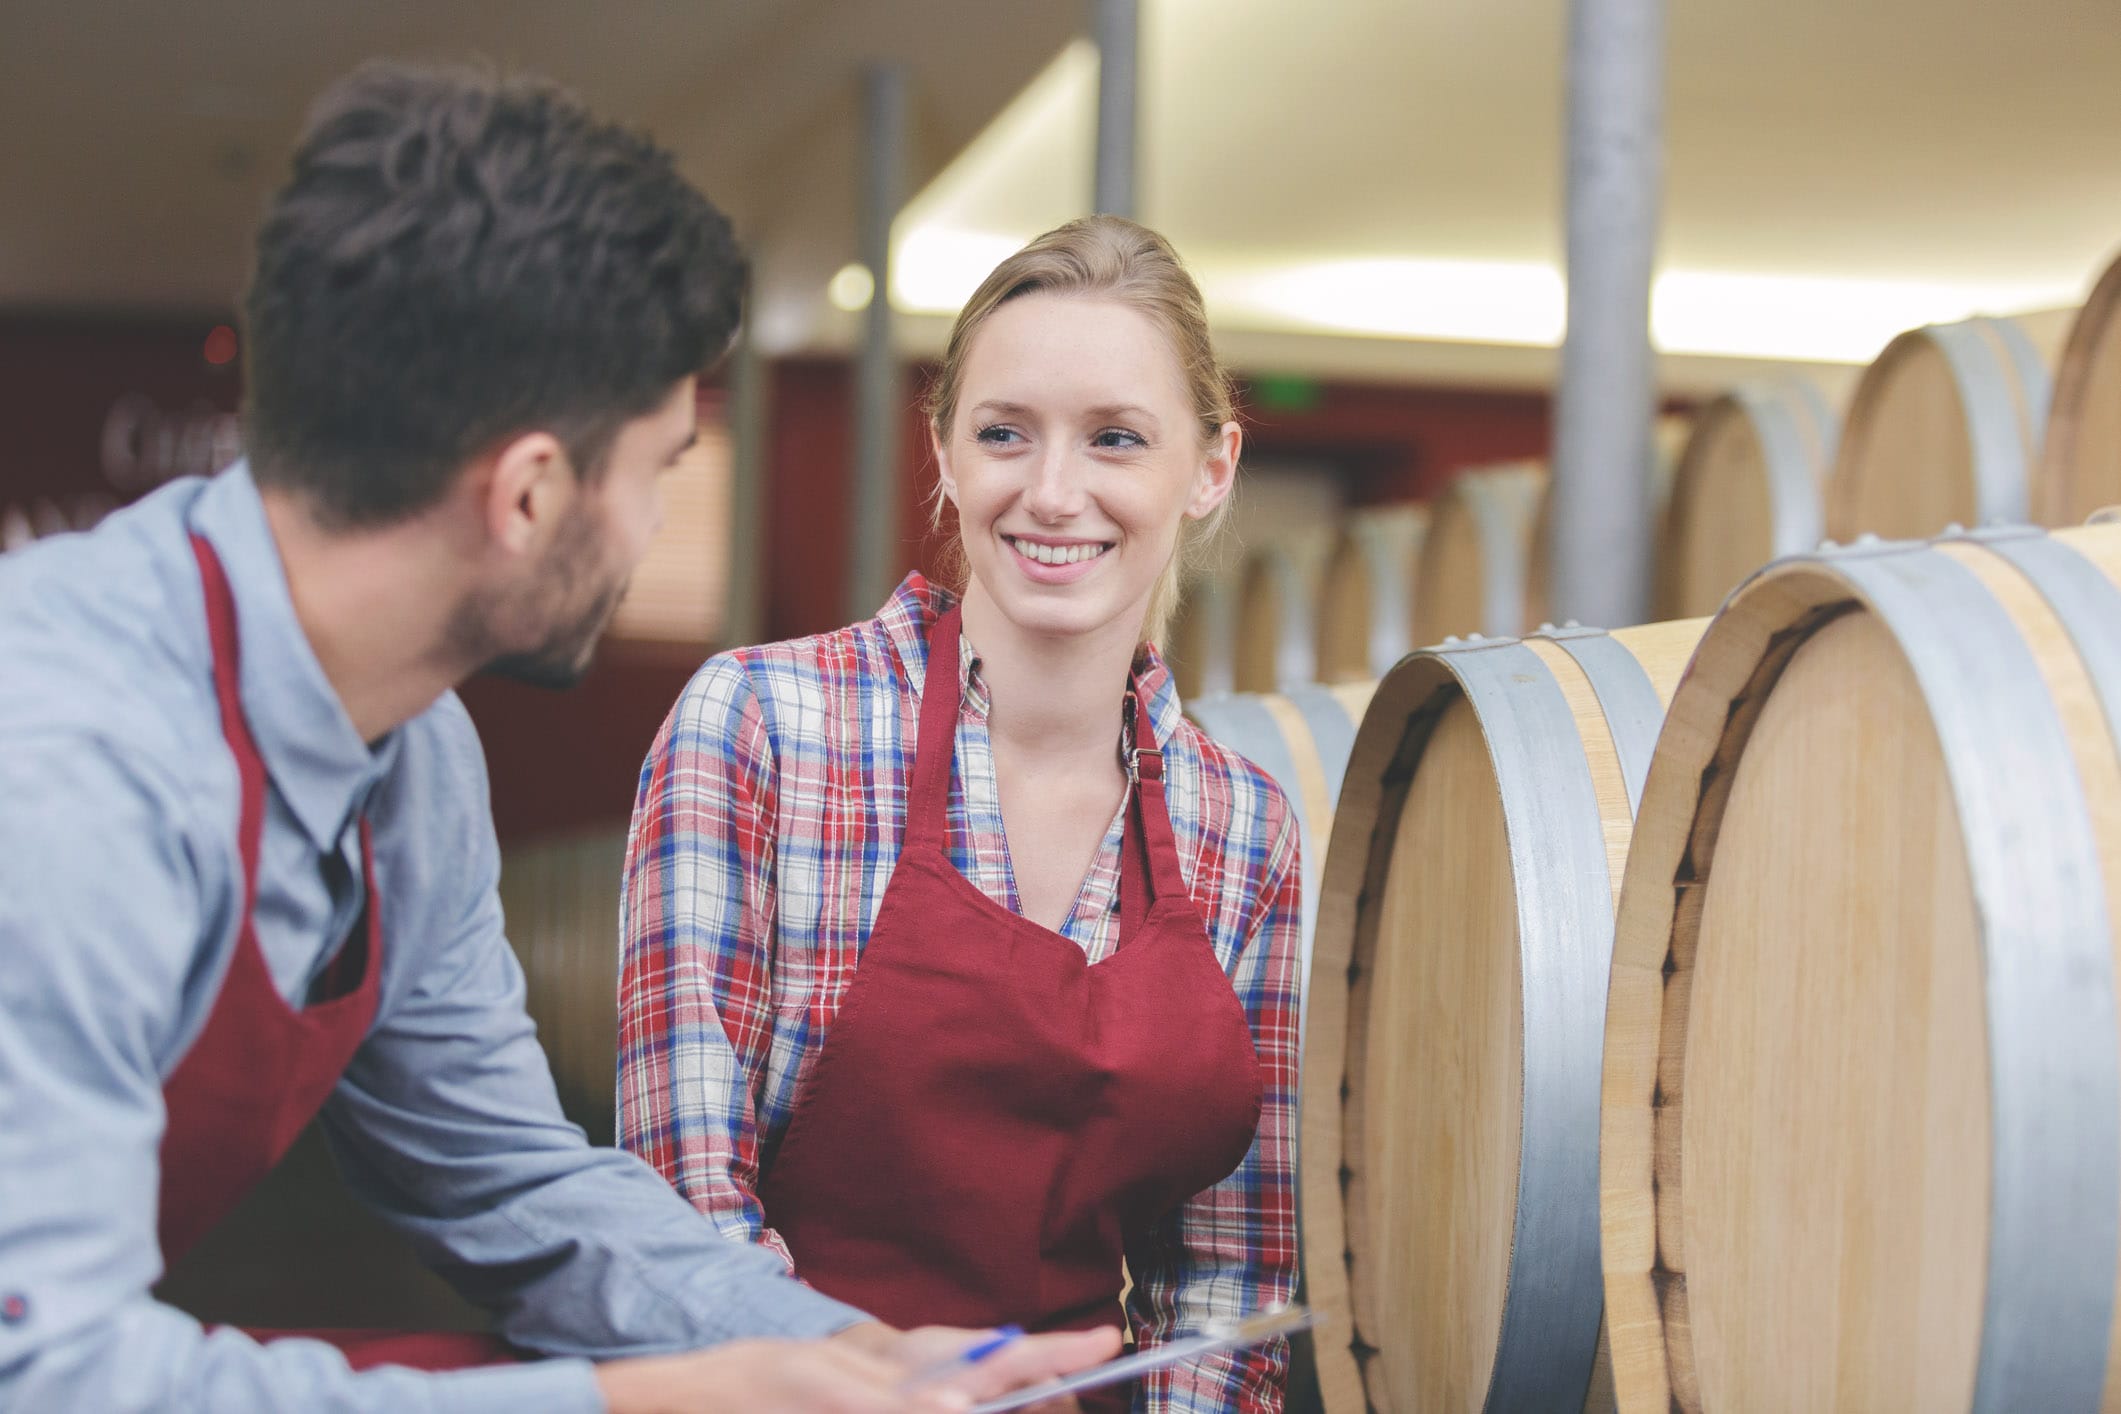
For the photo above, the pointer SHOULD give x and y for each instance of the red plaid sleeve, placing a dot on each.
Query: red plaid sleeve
(696, 934)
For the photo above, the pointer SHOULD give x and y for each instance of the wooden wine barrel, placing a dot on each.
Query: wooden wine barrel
(1276, 647)
(1449, 1154)
(1944, 429)
(1366, 603)
(1746, 491)
(560, 900)
(1301, 738)
(1476, 559)
(1859, 1136)
(1670, 433)
(2080, 461)
(1201, 645)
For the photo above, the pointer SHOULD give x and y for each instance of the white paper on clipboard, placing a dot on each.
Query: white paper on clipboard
(1233, 1335)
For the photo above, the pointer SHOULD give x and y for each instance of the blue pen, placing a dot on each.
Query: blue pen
(1001, 1340)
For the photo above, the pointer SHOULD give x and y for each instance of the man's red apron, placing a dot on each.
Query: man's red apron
(261, 1069)
(993, 1120)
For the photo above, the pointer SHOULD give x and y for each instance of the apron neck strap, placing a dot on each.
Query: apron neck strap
(928, 807)
(235, 727)
(1148, 854)
(1152, 854)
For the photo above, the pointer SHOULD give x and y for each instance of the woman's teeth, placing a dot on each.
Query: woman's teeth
(1057, 554)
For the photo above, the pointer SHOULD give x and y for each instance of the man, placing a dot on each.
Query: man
(246, 864)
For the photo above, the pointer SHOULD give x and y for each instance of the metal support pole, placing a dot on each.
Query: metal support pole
(1118, 27)
(744, 616)
(879, 383)
(1601, 527)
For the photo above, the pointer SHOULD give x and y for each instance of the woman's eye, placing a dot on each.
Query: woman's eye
(996, 436)
(1117, 439)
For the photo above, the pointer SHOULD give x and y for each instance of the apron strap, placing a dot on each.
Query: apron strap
(1149, 868)
(928, 802)
(250, 766)
(1151, 819)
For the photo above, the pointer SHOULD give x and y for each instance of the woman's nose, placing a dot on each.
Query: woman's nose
(1057, 490)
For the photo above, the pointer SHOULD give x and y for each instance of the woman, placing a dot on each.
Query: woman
(955, 1043)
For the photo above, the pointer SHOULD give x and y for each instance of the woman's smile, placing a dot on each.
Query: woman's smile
(1051, 560)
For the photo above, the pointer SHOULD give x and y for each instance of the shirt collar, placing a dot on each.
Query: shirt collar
(918, 602)
(312, 751)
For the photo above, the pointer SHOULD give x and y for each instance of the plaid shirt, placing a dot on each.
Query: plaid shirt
(770, 813)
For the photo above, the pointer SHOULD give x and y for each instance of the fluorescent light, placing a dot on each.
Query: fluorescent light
(1823, 320)
(1489, 302)
(1731, 314)
(851, 288)
(936, 269)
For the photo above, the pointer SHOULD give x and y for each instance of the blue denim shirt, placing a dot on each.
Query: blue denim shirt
(120, 892)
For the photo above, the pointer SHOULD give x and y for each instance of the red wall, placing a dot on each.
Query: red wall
(809, 503)
(61, 382)
(1397, 443)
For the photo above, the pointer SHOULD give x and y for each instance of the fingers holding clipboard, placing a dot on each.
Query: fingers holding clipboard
(1179, 1350)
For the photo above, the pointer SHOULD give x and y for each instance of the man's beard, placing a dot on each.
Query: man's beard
(563, 656)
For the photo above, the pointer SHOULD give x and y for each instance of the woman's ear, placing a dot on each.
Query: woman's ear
(944, 477)
(1218, 472)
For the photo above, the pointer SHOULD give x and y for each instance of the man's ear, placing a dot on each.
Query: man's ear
(528, 491)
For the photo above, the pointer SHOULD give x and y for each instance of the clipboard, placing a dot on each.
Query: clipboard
(1218, 1337)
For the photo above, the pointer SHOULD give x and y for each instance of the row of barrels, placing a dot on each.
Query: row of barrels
(1951, 424)
(1720, 1013)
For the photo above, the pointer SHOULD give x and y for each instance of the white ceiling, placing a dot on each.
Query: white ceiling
(141, 138)
(1836, 172)
(1947, 145)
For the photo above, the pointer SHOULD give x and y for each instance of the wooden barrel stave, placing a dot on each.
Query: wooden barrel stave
(1366, 603)
(2080, 459)
(1508, 743)
(1203, 640)
(1476, 561)
(1302, 740)
(1944, 428)
(1746, 491)
(1275, 647)
(2000, 739)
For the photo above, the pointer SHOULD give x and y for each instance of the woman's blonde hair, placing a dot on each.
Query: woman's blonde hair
(1106, 257)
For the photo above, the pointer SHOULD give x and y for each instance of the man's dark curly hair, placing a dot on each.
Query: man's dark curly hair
(458, 259)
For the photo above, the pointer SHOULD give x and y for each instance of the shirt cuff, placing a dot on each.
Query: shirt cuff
(781, 1306)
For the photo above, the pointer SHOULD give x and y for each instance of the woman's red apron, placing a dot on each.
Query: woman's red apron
(993, 1120)
(261, 1069)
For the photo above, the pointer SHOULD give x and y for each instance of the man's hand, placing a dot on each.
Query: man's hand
(1032, 1360)
(770, 1377)
(862, 1370)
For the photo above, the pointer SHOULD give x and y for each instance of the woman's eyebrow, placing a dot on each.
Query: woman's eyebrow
(1122, 412)
(1104, 412)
